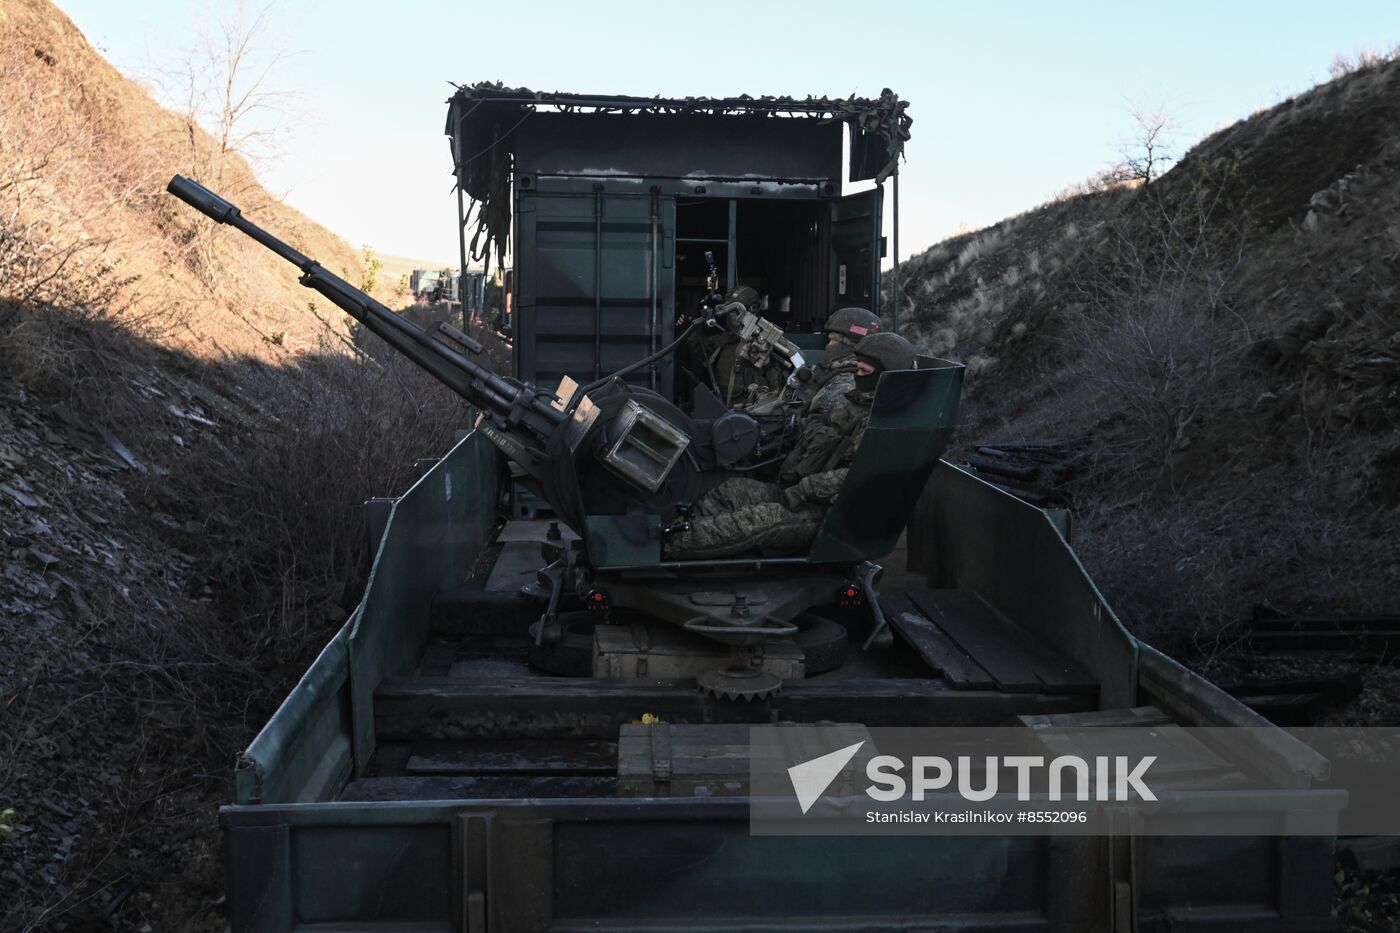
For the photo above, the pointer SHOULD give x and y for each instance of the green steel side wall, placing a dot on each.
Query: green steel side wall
(966, 534)
(324, 731)
(536, 865)
(436, 531)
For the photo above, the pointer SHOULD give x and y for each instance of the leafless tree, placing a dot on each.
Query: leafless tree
(1151, 149)
(228, 89)
(224, 88)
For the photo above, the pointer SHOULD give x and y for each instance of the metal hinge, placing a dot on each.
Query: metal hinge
(1122, 870)
(642, 639)
(661, 751)
(473, 841)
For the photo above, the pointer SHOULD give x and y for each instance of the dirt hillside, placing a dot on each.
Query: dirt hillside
(184, 445)
(1215, 356)
(104, 150)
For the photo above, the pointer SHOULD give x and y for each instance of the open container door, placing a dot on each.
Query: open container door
(856, 221)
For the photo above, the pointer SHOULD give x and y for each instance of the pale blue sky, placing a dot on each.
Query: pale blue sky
(1012, 101)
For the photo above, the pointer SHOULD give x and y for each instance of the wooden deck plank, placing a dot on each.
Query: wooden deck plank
(437, 660)
(1017, 660)
(1128, 717)
(962, 618)
(493, 787)
(538, 707)
(938, 650)
(515, 756)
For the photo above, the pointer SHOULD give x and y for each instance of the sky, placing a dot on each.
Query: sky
(1012, 101)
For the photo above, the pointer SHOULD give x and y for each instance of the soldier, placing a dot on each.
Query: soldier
(835, 376)
(742, 514)
(734, 379)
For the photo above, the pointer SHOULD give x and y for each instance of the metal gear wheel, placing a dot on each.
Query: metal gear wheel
(740, 683)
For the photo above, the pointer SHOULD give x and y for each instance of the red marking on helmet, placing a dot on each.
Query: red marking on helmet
(857, 329)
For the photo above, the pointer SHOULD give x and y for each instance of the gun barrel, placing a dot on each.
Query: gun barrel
(469, 379)
(217, 209)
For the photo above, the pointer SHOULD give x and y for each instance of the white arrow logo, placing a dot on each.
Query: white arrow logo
(810, 779)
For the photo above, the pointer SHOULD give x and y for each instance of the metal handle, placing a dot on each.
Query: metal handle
(700, 627)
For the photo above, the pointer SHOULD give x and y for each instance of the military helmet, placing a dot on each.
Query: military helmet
(744, 294)
(886, 352)
(854, 323)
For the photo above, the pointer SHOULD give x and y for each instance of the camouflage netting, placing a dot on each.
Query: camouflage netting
(482, 117)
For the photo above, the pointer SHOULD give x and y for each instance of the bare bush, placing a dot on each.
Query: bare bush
(1143, 157)
(1158, 332)
(226, 87)
(1297, 537)
(339, 430)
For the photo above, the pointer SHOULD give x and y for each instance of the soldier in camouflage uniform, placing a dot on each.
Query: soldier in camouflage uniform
(735, 380)
(743, 514)
(836, 375)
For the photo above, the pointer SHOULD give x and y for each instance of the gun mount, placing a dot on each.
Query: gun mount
(619, 462)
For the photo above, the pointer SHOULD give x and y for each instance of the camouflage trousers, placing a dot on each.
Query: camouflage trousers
(743, 514)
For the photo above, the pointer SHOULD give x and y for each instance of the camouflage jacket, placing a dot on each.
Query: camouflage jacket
(830, 392)
(828, 442)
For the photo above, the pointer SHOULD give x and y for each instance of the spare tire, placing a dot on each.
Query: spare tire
(572, 654)
(825, 644)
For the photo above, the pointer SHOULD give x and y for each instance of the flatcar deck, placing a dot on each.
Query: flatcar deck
(475, 720)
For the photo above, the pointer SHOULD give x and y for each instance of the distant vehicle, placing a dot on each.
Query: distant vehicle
(421, 282)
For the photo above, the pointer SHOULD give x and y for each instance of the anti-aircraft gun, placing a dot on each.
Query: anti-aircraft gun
(605, 446)
(620, 463)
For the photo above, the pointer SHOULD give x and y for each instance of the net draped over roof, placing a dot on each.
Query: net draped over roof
(482, 117)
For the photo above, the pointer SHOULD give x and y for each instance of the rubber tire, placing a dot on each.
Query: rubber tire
(825, 644)
(572, 655)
